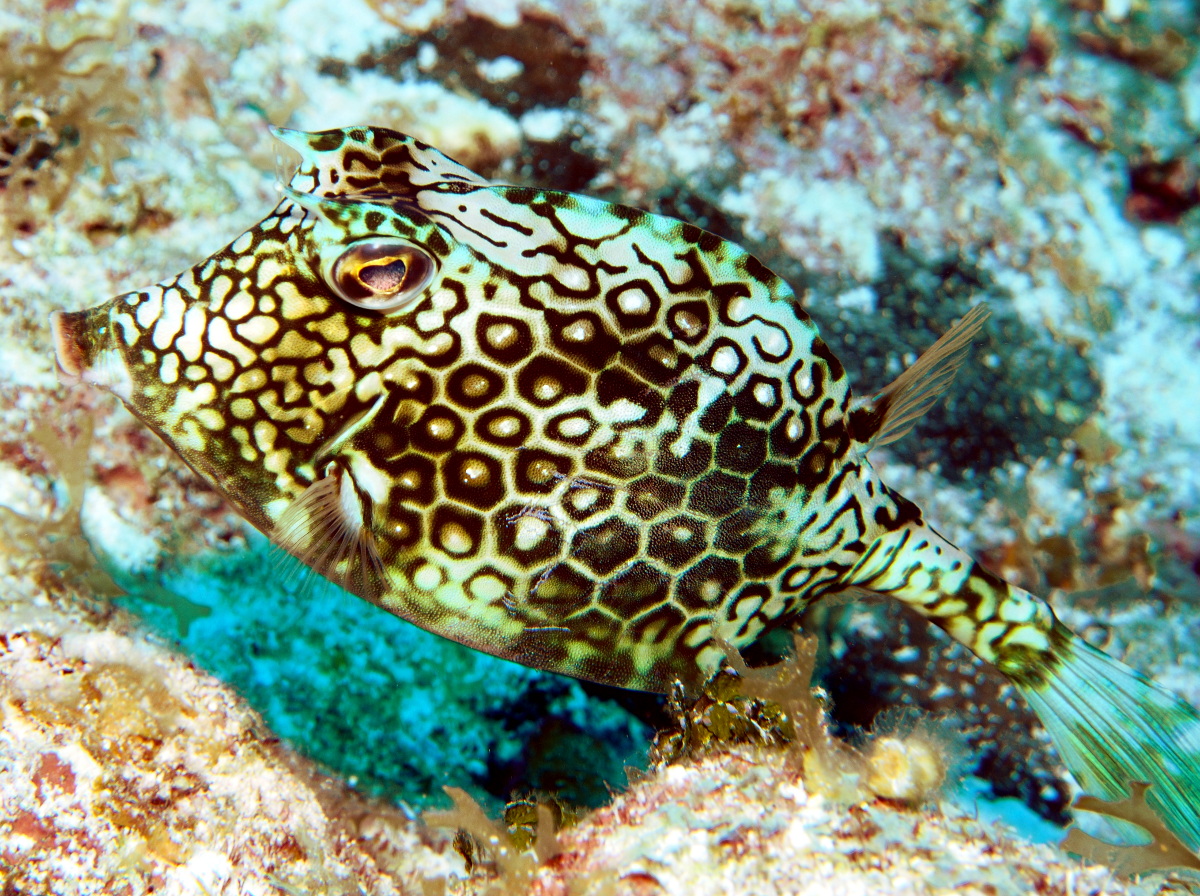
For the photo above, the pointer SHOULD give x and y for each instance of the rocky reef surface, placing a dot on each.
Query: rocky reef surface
(895, 161)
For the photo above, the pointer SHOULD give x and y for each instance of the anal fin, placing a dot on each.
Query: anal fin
(891, 413)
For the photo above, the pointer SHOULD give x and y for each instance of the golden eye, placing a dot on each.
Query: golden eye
(381, 273)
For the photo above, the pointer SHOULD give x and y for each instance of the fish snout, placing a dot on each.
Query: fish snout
(67, 326)
(86, 352)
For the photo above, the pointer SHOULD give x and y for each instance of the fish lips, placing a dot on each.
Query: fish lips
(84, 350)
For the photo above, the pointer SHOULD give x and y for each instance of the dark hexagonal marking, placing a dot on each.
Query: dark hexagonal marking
(651, 496)
(689, 321)
(660, 626)
(771, 485)
(656, 359)
(783, 445)
(504, 339)
(765, 561)
(739, 532)
(636, 590)
(473, 478)
(491, 584)
(606, 461)
(456, 531)
(814, 467)
(741, 448)
(717, 414)
(437, 430)
(717, 494)
(527, 535)
(584, 498)
(597, 628)
(539, 472)
(616, 384)
(582, 337)
(414, 479)
(760, 399)
(403, 527)
(634, 304)
(696, 459)
(544, 381)
(574, 427)
(677, 541)
(724, 358)
(607, 547)
(706, 584)
(562, 591)
(473, 385)
(503, 426)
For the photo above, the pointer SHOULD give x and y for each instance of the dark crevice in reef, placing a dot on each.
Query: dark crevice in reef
(556, 754)
(553, 61)
(1018, 396)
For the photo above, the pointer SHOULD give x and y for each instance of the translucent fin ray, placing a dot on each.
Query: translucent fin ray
(892, 413)
(328, 529)
(1113, 727)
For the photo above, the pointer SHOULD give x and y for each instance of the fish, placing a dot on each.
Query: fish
(577, 435)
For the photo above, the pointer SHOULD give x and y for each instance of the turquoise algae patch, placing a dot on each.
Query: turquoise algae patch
(395, 710)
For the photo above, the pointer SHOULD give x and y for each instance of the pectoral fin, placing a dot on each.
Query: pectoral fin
(328, 528)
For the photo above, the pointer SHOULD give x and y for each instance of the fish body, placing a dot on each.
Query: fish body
(572, 434)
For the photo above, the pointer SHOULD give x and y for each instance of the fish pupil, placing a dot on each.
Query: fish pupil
(387, 277)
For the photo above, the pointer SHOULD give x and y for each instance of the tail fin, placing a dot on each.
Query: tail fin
(1113, 727)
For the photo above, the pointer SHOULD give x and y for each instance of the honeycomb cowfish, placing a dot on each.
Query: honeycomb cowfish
(576, 435)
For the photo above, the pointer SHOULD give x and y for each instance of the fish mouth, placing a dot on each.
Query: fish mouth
(67, 327)
(85, 351)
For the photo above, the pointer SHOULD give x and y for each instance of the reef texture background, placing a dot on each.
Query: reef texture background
(896, 161)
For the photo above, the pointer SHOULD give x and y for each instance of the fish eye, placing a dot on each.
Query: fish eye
(381, 273)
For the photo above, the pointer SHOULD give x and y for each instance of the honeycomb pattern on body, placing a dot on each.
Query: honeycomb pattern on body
(600, 441)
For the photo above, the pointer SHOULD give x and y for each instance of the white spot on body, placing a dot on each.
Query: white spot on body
(258, 329)
(634, 301)
(579, 331)
(268, 270)
(222, 368)
(427, 577)
(242, 243)
(738, 309)
(572, 277)
(530, 530)
(764, 394)
(218, 290)
(171, 321)
(455, 539)
(149, 311)
(239, 306)
(573, 427)
(168, 368)
(220, 339)
(624, 411)
(774, 341)
(725, 360)
(191, 343)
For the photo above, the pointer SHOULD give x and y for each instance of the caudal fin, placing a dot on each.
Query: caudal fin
(1113, 727)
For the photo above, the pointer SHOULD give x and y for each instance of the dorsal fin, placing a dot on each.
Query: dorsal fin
(891, 413)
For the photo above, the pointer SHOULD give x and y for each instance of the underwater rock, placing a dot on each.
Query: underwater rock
(745, 822)
(127, 770)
